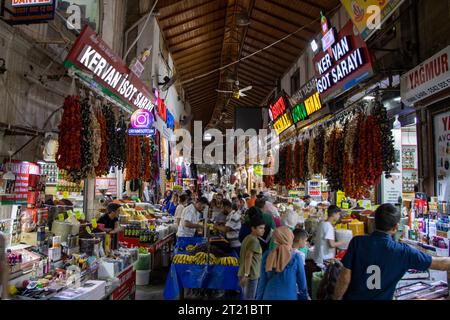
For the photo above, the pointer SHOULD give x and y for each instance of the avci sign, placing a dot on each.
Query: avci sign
(346, 63)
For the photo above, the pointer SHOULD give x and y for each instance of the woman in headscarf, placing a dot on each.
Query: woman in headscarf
(282, 270)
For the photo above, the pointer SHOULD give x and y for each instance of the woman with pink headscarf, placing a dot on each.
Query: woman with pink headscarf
(282, 270)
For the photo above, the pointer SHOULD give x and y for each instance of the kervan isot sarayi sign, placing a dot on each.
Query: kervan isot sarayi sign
(102, 67)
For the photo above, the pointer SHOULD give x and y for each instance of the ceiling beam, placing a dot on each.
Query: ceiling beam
(195, 28)
(251, 72)
(196, 48)
(174, 14)
(174, 26)
(279, 48)
(173, 42)
(201, 101)
(189, 63)
(257, 67)
(267, 62)
(196, 41)
(186, 59)
(285, 20)
(290, 10)
(285, 63)
(278, 53)
(194, 85)
(283, 32)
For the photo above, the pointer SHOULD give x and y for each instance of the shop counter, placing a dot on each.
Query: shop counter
(190, 276)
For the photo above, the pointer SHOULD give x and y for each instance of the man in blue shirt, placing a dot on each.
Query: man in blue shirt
(374, 264)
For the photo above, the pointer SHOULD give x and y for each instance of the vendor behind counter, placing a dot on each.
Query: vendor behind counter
(111, 218)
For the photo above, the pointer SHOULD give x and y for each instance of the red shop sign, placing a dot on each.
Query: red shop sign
(348, 64)
(161, 107)
(92, 55)
(277, 109)
(127, 284)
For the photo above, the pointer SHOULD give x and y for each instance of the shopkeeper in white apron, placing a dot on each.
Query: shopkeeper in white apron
(4, 270)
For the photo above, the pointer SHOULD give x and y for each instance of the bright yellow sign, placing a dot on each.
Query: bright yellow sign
(283, 123)
(364, 13)
(313, 104)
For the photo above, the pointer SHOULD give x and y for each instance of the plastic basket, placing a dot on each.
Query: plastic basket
(143, 262)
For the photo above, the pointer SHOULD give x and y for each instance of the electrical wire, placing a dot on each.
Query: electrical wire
(258, 51)
(142, 31)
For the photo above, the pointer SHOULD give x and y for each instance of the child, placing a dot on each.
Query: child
(301, 243)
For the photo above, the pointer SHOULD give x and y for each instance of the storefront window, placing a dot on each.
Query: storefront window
(442, 149)
(90, 11)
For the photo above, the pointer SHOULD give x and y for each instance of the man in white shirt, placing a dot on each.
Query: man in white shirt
(190, 217)
(232, 225)
(325, 244)
(208, 194)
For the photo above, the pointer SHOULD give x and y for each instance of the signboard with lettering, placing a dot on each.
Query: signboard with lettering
(22, 170)
(91, 59)
(362, 13)
(141, 123)
(304, 109)
(442, 150)
(30, 11)
(428, 78)
(346, 63)
(280, 115)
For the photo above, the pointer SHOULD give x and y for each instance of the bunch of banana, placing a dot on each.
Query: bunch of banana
(190, 248)
(183, 259)
(202, 258)
(228, 261)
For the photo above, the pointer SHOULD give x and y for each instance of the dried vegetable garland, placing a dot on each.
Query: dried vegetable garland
(110, 135)
(120, 142)
(289, 166)
(311, 157)
(102, 168)
(68, 156)
(387, 139)
(335, 159)
(297, 163)
(147, 160)
(305, 172)
(96, 144)
(87, 168)
(133, 164)
(350, 173)
(319, 150)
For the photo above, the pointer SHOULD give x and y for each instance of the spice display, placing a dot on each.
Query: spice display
(289, 166)
(335, 159)
(305, 170)
(68, 157)
(147, 160)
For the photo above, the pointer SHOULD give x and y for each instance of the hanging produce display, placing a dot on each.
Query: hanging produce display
(68, 157)
(120, 142)
(87, 168)
(102, 168)
(133, 164)
(110, 135)
(147, 160)
(387, 139)
(297, 166)
(96, 144)
(319, 150)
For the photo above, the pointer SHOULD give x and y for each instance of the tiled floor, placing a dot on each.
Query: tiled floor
(153, 291)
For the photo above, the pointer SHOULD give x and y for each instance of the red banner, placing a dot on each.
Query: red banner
(22, 171)
(127, 286)
(92, 55)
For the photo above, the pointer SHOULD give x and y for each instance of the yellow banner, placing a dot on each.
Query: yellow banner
(283, 123)
(363, 17)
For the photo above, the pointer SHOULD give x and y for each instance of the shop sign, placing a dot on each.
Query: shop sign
(362, 14)
(108, 184)
(306, 91)
(22, 171)
(277, 109)
(141, 123)
(280, 116)
(30, 11)
(442, 151)
(127, 286)
(392, 188)
(430, 77)
(92, 60)
(304, 109)
(346, 63)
